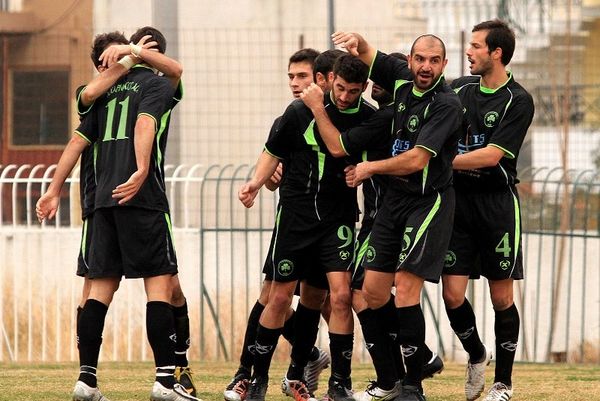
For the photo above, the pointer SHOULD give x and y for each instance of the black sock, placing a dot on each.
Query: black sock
(307, 327)
(462, 321)
(288, 331)
(266, 342)
(340, 346)
(427, 354)
(379, 345)
(412, 338)
(160, 329)
(506, 328)
(247, 357)
(389, 315)
(182, 332)
(314, 353)
(79, 310)
(89, 339)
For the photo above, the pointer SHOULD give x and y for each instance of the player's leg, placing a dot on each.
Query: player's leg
(183, 373)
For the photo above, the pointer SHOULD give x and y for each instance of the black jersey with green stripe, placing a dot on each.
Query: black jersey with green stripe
(140, 92)
(314, 183)
(370, 141)
(87, 180)
(429, 120)
(492, 117)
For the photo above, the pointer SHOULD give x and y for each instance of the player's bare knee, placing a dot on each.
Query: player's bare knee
(341, 299)
(452, 299)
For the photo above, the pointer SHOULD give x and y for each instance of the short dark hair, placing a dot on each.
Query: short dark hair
(431, 36)
(155, 34)
(351, 69)
(324, 63)
(102, 41)
(499, 36)
(306, 55)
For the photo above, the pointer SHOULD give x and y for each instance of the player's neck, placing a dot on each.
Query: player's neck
(495, 78)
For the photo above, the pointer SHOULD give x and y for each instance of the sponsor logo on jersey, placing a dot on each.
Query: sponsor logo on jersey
(344, 255)
(504, 264)
(401, 107)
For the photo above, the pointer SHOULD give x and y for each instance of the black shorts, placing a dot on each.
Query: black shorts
(84, 247)
(306, 249)
(315, 278)
(131, 242)
(412, 233)
(486, 239)
(362, 243)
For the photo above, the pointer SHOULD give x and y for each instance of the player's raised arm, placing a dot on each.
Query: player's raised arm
(356, 45)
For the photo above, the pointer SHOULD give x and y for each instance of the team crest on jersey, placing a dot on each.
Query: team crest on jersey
(490, 119)
(401, 107)
(450, 259)
(370, 255)
(413, 123)
(285, 267)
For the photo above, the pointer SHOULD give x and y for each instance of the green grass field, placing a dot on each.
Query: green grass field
(132, 381)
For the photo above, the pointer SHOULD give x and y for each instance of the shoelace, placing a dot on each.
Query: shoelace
(241, 386)
(300, 389)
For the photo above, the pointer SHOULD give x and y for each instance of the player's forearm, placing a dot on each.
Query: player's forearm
(102, 83)
(171, 69)
(329, 133)
(480, 158)
(143, 142)
(406, 163)
(265, 167)
(67, 161)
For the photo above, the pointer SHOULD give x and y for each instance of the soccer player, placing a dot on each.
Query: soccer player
(124, 147)
(314, 227)
(300, 75)
(486, 238)
(371, 141)
(412, 229)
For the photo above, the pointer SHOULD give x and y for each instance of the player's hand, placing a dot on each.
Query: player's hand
(361, 173)
(350, 174)
(112, 54)
(247, 193)
(346, 40)
(126, 191)
(46, 207)
(273, 183)
(312, 96)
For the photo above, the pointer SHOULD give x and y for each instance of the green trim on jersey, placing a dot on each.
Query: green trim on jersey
(265, 149)
(82, 112)
(83, 136)
(421, 94)
(399, 83)
(373, 63)
(343, 147)
(434, 153)
(180, 88)
(364, 156)
(95, 157)
(426, 222)
(154, 119)
(347, 111)
(483, 89)
(161, 130)
(507, 153)
(424, 177)
(309, 137)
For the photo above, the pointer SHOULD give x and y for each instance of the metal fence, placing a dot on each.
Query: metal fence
(221, 247)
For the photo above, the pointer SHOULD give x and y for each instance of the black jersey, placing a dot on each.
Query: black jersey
(371, 140)
(498, 117)
(87, 181)
(314, 181)
(140, 92)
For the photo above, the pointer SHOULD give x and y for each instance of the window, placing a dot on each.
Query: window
(40, 108)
